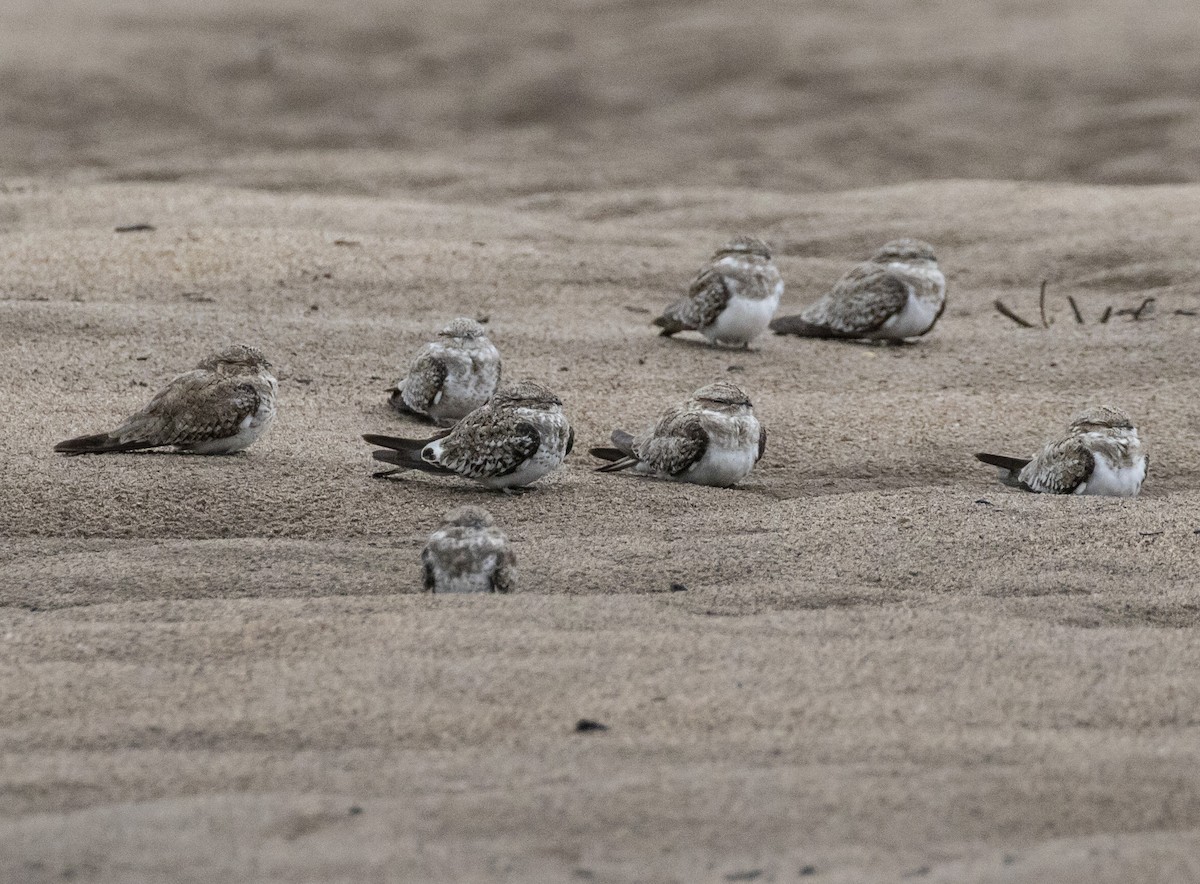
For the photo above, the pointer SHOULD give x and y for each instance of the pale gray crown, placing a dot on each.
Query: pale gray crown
(723, 393)
(1101, 417)
(904, 250)
(468, 517)
(744, 245)
(237, 358)
(463, 327)
(526, 394)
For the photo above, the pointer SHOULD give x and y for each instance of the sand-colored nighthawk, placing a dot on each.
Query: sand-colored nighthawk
(221, 406)
(899, 293)
(518, 437)
(450, 377)
(468, 553)
(732, 298)
(1100, 454)
(713, 438)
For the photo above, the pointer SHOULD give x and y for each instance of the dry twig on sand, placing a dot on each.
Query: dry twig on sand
(1042, 305)
(1004, 310)
(1075, 309)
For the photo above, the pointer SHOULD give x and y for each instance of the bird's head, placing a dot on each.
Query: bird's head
(468, 517)
(463, 328)
(723, 396)
(526, 394)
(236, 359)
(744, 245)
(1099, 418)
(905, 251)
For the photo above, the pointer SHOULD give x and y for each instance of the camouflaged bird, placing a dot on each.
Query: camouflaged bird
(468, 553)
(450, 377)
(223, 405)
(899, 293)
(732, 298)
(1101, 454)
(518, 437)
(711, 439)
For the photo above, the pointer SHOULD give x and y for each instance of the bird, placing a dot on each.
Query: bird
(899, 293)
(732, 298)
(711, 439)
(450, 377)
(1101, 454)
(516, 438)
(221, 406)
(468, 553)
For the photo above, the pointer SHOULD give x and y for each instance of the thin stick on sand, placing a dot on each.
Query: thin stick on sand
(1145, 305)
(1042, 305)
(1004, 310)
(1075, 309)
(1107, 314)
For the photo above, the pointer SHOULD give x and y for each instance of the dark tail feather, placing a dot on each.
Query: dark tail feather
(797, 325)
(398, 444)
(98, 443)
(403, 453)
(1005, 463)
(616, 466)
(669, 326)
(1013, 465)
(609, 454)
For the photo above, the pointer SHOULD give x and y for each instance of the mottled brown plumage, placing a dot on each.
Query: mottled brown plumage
(732, 298)
(1101, 454)
(512, 441)
(899, 293)
(713, 438)
(450, 377)
(468, 553)
(221, 406)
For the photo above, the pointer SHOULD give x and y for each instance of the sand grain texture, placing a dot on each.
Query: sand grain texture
(883, 661)
(885, 666)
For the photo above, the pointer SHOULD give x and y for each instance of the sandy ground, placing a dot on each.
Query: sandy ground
(884, 666)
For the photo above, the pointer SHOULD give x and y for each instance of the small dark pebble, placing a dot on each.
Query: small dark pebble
(133, 228)
(736, 368)
(305, 381)
(313, 308)
(641, 360)
(141, 358)
(808, 870)
(327, 275)
(355, 810)
(632, 309)
(483, 320)
(748, 875)
(587, 726)
(679, 587)
(563, 368)
(346, 242)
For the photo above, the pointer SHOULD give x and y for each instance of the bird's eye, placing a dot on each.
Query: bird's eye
(427, 454)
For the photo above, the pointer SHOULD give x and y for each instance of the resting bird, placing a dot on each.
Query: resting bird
(520, 435)
(900, 293)
(468, 553)
(732, 298)
(450, 377)
(711, 439)
(221, 406)
(1101, 454)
